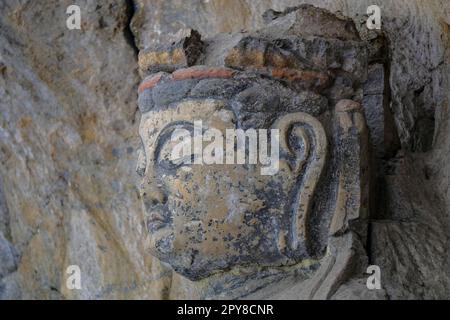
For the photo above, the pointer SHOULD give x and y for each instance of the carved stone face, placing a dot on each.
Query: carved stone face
(231, 220)
(204, 218)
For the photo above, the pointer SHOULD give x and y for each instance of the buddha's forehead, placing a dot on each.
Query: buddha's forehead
(211, 113)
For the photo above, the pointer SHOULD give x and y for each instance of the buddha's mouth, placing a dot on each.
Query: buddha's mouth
(156, 221)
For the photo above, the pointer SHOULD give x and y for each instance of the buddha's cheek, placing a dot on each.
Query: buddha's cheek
(188, 235)
(210, 243)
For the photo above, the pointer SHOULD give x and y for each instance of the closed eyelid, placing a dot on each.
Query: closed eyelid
(165, 135)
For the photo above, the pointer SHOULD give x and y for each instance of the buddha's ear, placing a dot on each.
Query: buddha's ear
(302, 140)
(303, 144)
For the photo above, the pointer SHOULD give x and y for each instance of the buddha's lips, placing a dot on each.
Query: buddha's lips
(156, 221)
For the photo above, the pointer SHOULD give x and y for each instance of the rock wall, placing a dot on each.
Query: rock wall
(68, 142)
(68, 147)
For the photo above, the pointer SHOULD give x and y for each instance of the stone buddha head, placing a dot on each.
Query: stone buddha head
(206, 215)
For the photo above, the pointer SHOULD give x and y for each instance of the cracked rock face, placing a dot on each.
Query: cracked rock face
(69, 123)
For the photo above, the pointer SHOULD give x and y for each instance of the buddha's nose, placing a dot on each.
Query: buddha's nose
(152, 192)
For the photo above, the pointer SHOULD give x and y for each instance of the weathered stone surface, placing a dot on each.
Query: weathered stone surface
(410, 239)
(217, 223)
(356, 289)
(304, 22)
(308, 63)
(8, 257)
(417, 36)
(68, 121)
(183, 52)
(376, 101)
(418, 40)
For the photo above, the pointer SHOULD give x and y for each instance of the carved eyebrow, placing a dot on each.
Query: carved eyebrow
(166, 133)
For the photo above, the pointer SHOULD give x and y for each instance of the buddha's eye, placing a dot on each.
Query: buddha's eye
(172, 155)
(175, 148)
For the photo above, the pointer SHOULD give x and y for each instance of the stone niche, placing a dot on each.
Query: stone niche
(226, 230)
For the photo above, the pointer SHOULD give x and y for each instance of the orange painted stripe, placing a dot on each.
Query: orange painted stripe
(200, 73)
(149, 83)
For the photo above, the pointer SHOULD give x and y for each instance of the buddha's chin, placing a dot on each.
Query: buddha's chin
(161, 242)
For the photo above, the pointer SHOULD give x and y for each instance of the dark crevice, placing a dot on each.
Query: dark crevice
(128, 33)
(391, 146)
(369, 243)
(392, 139)
(4, 214)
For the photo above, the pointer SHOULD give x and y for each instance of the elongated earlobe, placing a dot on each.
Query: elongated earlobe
(303, 141)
